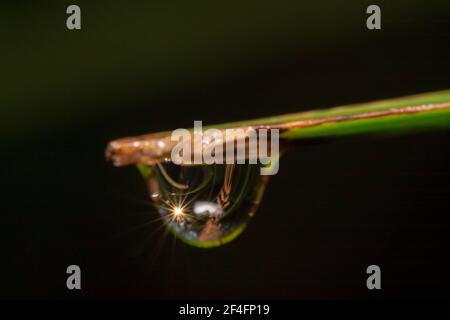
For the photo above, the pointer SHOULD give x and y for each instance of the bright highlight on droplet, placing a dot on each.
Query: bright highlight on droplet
(177, 211)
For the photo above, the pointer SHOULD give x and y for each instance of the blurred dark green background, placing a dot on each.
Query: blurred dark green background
(53, 78)
(143, 66)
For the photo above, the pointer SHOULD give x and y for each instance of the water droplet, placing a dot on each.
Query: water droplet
(205, 205)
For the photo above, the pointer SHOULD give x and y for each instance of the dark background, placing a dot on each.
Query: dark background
(138, 67)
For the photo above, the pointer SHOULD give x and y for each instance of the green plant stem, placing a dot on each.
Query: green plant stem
(412, 114)
(429, 111)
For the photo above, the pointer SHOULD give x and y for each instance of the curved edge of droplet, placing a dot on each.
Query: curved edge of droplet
(212, 244)
(235, 233)
(146, 171)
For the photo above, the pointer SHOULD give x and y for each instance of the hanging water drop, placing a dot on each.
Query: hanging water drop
(205, 205)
